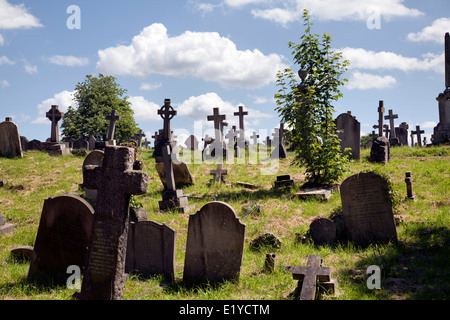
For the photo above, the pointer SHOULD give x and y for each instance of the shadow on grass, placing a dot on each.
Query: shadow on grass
(416, 268)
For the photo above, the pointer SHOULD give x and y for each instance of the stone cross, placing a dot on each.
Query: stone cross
(218, 122)
(310, 275)
(241, 115)
(146, 143)
(138, 136)
(115, 181)
(391, 118)
(208, 140)
(54, 115)
(447, 61)
(418, 132)
(231, 135)
(412, 139)
(373, 135)
(279, 134)
(167, 113)
(255, 137)
(380, 118)
(156, 137)
(113, 117)
(219, 173)
(409, 190)
(386, 130)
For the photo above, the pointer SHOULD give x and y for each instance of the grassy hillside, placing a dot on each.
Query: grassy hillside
(416, 268)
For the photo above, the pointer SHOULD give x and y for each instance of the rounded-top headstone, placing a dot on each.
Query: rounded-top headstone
(323, 231)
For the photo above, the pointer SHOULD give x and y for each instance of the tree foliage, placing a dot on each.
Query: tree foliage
(307, 108)
(96, 98)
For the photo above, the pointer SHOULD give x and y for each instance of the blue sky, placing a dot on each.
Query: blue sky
(205, 54)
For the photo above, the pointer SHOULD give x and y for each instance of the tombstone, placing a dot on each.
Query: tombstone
(219, 174)
(164, 138)
(138, 137)
(380, 118)
(35, 145)
(95, 158)
(441, 133)
(367, 209)
(401, 132)
(5, 228)
(279, 152)
(146, 143)
(113, 117)
(151, 249)
(115, 181)
(81, 145)
(10, 145)
(241, 113)
(269, 263)
(393, 140)
(182, 174)
(350, 135)
(70, 141)
(418, 132)
(283, 181)
(63, 236)
(409, 188)
(268, 142)
(172, 198)
(92, 142)
(215, 244)
(254, 137)
(54, 115)
(380, 151)
(191, 143)
(312, 277)
(24, 143)
(323, 231)
(218, 143)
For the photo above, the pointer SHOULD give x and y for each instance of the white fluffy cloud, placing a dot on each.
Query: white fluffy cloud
(16, 16)
(286, 11)
(5, 60)
(144, 110)
(204, 55)
(364, 81)
(69, 61)
(150, 86)
(435, 32)
(63, 100)
(370, 60)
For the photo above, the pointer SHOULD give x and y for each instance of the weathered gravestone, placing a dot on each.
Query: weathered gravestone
(35, 145)
(323, 231)
(151, 249)
(418, 133)
(401, 133)
(215, 244)
(165, 136)
(63, 236)
(367, 209)
(380, 151)
(24, 143)
(5, 228)
(350, 135)
(312, 277)
(94, 158)
(172, 198)
(241, 143)
(279, 152)
(115, 181)
(10, 145)
(219, 174)
(217, 148)
(441, 133)
(113, 117)
(283, 181)
(393, 140)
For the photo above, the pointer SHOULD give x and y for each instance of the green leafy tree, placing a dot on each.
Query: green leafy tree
(96, 98)
(307, 106)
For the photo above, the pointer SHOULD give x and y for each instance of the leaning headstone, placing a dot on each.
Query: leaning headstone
(215, 244)
(380, 151)
(35, 145)
(350, 136)
(151, 249)
(172, 198)
(5, 228)
(182, 174)
(367, 209)
(10, 145)
(115, 181)
(24, 143)
(63, 236)
(312, 277)
(441, 133)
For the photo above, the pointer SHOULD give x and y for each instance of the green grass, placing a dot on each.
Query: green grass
(416, 268)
